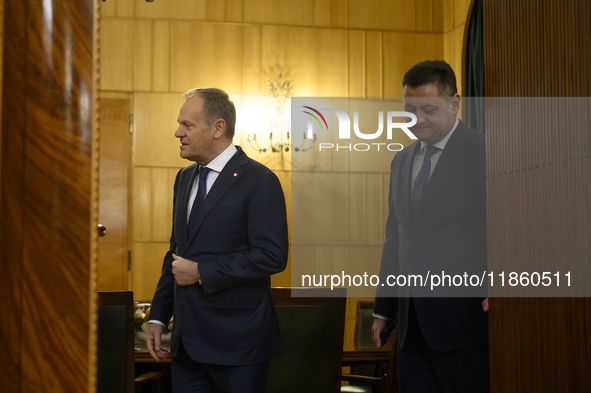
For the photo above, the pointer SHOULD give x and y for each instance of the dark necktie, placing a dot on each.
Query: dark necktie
(423, 177)
(201, 191)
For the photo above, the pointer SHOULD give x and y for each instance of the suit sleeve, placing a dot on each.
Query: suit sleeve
(386, 302)
(267, 249)
(163, 301)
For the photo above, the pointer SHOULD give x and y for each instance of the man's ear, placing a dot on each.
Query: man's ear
(455, 103)
(219, 127)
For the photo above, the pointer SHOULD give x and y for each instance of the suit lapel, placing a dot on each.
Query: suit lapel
(231, 172)
(455, 150)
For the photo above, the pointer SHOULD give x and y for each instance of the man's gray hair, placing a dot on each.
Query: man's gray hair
(216, 105)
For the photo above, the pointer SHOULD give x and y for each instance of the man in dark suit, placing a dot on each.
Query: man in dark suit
(229, 236)
(436, 224)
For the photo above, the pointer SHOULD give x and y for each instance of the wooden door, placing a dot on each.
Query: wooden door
(114, 180)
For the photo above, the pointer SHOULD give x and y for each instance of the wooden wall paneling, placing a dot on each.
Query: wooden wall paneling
(282, 12)
(376, 215)
(437, 9)
(317, 58)
(142, 204)
(401, 51)
(357, 196)
(461, 8)
(363, 259)
(253, 77)
(448, 15)
(302, 261)
(339, 13)
(162, 195)
(423, 15)
(146, 262)
(46, 183)
(374, 64)
(538, 187)
(143, 54)
(155, 116)
(206, 54)
(172, 9)
(161, 57)
(117, 48)
(234, 11)
(322, 13)
(119, 9)
(317, 208)
(449, 47)
(356, 63)
(398, 15)
(215, 10)
(458, 63)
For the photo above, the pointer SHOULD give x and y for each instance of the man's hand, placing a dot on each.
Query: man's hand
(378, 326)
(153, 332)
(185, 272)
(485, 305)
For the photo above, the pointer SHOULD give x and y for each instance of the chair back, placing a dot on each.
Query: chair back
(115, 357)
(312, 330)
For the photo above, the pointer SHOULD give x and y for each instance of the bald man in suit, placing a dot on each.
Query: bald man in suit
(229, 236)
(437, 222)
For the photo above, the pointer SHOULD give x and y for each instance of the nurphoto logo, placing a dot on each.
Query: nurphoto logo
(344, 127)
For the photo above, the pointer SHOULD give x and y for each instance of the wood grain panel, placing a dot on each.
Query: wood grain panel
(415, 47)
(234, 10)
(459, 56)
(172, 9)
(448, 15)
(142, 204)
(461, 8)
(437, 16)
(12, 210)
(356, 205)
(317, 57)
(318, 214)
(356, 59)
(539, 215)
(253, 80)
(46, 170)
(339, 13)
(322, 13)
(376, 215)
(147, 260)
(143, 53)
(155, 124)
(302, 262)
(449, 48)
(117, 54)
(205, 64)
(398, 15)
(283, 12)
(374, 64)
(161, 57)
(162, 194)
(423, 15)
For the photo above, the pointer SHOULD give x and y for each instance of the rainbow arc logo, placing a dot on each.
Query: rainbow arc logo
(314, 116)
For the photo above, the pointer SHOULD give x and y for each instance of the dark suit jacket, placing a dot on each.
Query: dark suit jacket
(447, 233)
(240, 240)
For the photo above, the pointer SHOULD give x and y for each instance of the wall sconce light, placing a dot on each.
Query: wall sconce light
(280, 90)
